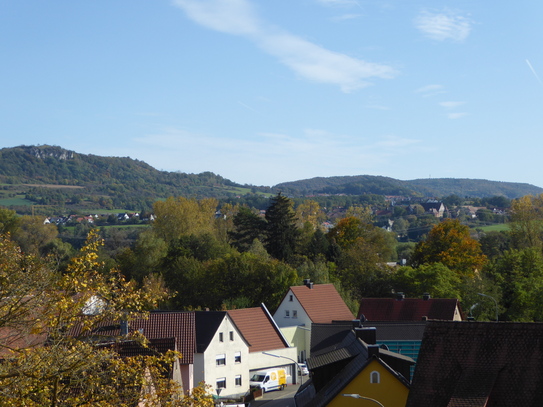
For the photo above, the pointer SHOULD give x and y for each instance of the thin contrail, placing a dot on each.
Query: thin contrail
(534, 72)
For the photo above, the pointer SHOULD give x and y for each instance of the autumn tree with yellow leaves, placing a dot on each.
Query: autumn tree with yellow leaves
(44, 365)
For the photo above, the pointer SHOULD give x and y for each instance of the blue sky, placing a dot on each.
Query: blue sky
(263, 92)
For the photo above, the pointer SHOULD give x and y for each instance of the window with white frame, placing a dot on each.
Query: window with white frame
(221, 383)
(237, 357)
(375, 377)
(238, 380)
(221, 360)
(287, 313)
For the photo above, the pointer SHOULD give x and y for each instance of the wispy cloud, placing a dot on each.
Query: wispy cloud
(446, 25)
(450, 104)
(534, 72)
(308, 60)
(309, 153)
(346, 17)
(340, 3)
(430, 90)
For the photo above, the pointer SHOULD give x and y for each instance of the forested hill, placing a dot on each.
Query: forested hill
(124, 182)
(432, 187)
(120, 178)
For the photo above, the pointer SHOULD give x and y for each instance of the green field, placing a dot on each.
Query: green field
(15, 201)
(498, 227)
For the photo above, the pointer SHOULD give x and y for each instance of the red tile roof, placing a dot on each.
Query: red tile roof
(322, 303)
(258, 328)
(408, 309)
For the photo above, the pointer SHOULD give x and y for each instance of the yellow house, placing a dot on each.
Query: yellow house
(346, 364)
(376, 381)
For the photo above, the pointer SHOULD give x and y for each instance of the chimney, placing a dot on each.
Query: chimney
(373, 350)
(400, 296)
(356, 323)
(426, 296)
(310, 286)
(124, 328)
(307, 281)
(367, 334)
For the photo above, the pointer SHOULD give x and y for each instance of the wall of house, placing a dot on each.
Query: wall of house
(296, 314)
(261, 361)
(300, 338)
(207, 370)
(390, 391)
(187, 377)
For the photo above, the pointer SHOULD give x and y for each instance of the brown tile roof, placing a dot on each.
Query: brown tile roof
(472, 364)
(258, 328)
(177, 324)
(408, 309)
(322, 303)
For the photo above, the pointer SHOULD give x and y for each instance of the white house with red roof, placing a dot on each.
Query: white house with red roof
(268, 348)
(306, 304)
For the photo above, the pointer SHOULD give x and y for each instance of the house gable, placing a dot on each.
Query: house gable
(377, 381)
(320, 302)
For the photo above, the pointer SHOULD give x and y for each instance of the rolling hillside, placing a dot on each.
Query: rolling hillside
(53, 176)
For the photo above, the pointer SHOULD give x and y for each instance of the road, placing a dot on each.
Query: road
(277, 398)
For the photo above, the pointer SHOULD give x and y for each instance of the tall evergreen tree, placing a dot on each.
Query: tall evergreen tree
(282, 234)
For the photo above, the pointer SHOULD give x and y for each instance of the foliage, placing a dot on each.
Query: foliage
(450, 243)
(435, 279)
(176, 217)
(44, 364)
(431, 187)
(527, 222)
(248, 226)
(519, 274)
(282, 234)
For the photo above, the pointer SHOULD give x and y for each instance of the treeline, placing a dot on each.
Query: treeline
(239, 257)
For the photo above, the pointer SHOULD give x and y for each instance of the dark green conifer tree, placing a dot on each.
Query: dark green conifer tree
(282, 234)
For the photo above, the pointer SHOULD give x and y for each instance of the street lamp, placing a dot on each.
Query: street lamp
(292, 360)
(495, 303)
(358, 396)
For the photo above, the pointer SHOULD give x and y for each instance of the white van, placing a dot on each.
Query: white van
(267, 380)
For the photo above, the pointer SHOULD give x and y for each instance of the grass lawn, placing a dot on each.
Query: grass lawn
(498, 227)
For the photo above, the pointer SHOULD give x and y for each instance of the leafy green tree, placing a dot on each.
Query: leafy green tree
(282, 234)
(527, 222)
(246, 276)
(8, 221)
(180, 216)
(493, 244)
(519, 273)
(32, 234)
(435, 279)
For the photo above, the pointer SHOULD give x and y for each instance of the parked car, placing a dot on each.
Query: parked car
(303, 368)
